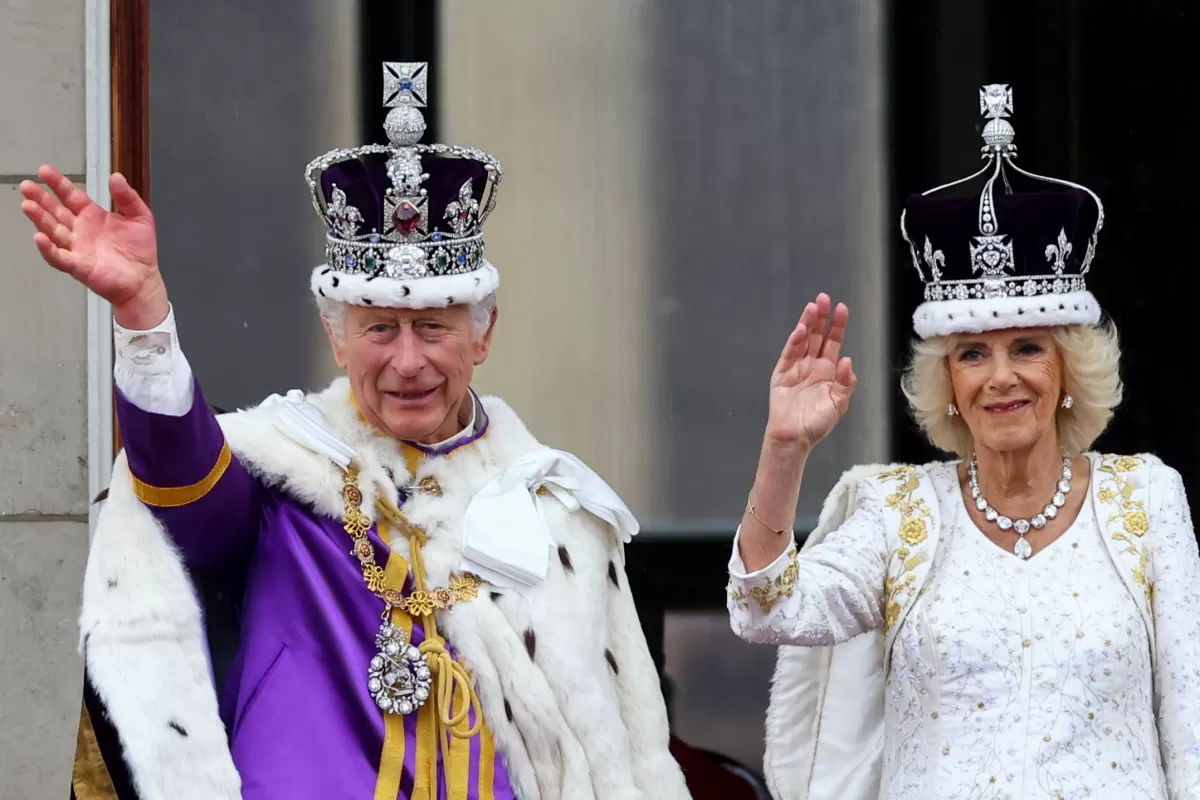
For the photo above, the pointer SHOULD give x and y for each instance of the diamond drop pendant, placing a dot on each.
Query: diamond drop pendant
(1023, 548)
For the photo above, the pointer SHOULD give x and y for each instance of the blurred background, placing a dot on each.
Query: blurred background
(681, 176)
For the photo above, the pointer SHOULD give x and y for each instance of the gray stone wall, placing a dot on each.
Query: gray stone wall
(43, 408)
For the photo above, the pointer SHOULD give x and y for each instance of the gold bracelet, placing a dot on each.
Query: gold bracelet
(756, 518)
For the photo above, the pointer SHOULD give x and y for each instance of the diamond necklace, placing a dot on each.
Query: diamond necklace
(1022, 548)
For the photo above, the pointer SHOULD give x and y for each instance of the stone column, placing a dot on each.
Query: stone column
(43, 408)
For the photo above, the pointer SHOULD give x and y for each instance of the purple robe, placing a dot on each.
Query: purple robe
(302, 721)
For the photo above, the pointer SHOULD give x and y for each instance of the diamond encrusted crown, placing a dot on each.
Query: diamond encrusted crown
(1007, 244)
(404, 210)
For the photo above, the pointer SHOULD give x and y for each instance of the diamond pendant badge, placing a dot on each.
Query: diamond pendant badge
(399, 679)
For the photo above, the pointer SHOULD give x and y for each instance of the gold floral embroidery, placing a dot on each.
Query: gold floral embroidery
(768, 595)
(784, 584)
(914, 530)
(1117, 490)
(1127, 464)
(893, 613)
(1137, 523)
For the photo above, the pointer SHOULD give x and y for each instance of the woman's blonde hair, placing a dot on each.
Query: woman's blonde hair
(1091, 357)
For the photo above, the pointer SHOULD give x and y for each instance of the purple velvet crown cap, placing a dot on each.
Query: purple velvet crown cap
(1030, 221)
(365, 181)
(992, 258)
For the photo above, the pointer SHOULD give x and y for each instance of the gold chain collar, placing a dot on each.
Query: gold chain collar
(452, 682)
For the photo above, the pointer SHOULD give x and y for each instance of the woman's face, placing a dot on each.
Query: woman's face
(1007, 386)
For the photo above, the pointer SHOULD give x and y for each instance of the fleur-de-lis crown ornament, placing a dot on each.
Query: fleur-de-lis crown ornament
(996, 258)
(404, 220)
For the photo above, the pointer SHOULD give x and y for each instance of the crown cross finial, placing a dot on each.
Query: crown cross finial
(405, 85)
(996, 100)
(996, 103)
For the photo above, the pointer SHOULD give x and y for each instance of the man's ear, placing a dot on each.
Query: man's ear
(335, 344)
(484, 345)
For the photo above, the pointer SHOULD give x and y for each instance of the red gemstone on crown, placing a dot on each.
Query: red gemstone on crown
(406, 217)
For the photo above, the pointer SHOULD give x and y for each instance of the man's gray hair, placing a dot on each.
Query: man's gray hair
(334, 313)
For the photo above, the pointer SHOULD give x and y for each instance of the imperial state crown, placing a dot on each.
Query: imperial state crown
(404, 220)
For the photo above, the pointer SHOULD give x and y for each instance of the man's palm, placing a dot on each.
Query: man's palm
(118, 254)
(115, 254)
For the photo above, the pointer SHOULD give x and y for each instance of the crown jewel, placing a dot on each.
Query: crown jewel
(1003, 244)
(404, 210)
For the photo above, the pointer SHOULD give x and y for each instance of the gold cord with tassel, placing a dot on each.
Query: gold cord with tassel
(451, 681)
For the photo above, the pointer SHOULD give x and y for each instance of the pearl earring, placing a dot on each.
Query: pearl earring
(952, 411)
(1068, 401)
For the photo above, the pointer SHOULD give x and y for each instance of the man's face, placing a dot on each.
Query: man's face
(410, 369)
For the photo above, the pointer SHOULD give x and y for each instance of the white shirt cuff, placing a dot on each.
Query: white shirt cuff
(737, 567)
(150, 369)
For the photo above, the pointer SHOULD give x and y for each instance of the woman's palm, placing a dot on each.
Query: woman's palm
(811, 386)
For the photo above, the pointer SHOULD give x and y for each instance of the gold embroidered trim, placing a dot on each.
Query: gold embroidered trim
(487, 765)
(768, 595)
(90, 778)
(1117, 492)
(914, 530)
(176, 496)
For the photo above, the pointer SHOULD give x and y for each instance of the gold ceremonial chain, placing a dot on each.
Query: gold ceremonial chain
(451, 681)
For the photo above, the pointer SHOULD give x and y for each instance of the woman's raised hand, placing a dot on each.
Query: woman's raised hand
(811, 385)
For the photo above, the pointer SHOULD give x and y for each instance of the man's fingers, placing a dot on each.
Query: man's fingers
(62, 260)
(32, 190)
(35, 193)
(125, 199)
(68, 193)
(42, 219)
(57, 210)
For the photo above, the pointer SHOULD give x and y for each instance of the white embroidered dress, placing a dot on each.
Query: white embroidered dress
(1002, 678)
